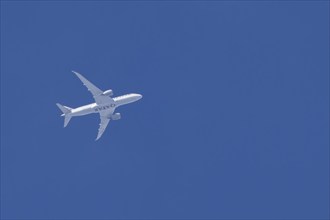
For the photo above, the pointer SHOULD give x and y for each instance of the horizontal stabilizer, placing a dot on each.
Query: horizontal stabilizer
(67, 118)
(64, 109)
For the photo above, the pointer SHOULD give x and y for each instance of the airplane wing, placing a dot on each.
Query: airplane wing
(105, 119)
(103, 125)
(96, 92)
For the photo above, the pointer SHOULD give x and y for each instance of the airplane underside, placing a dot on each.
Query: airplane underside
(104, 105)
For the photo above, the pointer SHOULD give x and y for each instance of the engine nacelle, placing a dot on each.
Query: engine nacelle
(108, 93)
(115, 116)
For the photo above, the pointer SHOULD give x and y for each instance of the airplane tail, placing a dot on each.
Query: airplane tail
(65, 111)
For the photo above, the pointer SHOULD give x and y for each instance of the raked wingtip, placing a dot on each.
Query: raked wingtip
(97, 138)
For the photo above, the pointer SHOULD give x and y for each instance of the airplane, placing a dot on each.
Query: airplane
(104, 104)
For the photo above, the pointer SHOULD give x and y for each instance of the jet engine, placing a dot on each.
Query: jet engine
(108, 93)
(115, 116)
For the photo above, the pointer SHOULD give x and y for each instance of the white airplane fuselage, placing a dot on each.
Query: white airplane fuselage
(104, 104)
(97, 108)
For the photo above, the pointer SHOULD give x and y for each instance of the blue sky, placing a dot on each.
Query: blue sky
(234, 120)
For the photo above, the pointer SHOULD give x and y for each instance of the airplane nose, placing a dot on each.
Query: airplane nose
(136, 97)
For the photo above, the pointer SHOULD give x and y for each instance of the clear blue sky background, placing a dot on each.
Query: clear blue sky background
(233, 122)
